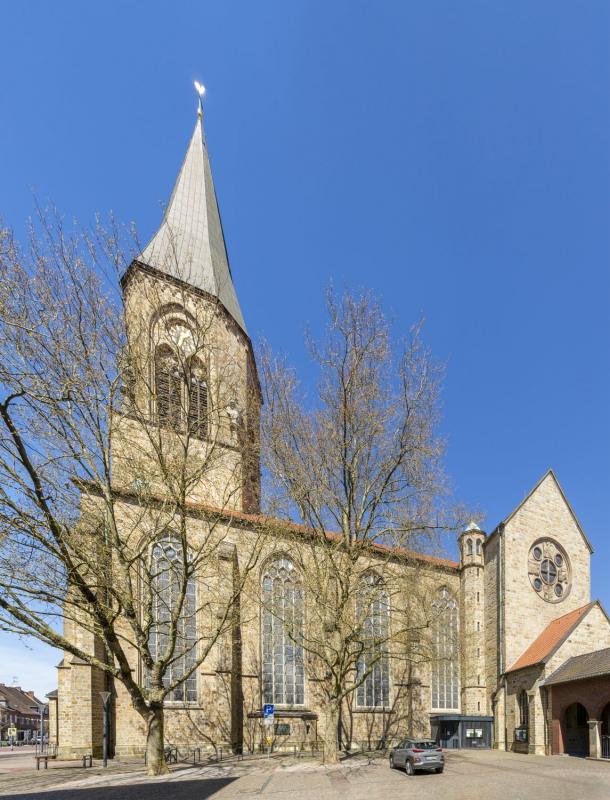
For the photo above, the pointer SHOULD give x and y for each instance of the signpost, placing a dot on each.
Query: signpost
(268, 719)
(12, 736)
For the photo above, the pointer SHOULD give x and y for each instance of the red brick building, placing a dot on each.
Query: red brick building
(17, 710)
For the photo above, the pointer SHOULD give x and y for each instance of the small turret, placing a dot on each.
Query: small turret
(472, 542)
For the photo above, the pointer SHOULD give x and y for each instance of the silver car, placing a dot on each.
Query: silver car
(414, 754)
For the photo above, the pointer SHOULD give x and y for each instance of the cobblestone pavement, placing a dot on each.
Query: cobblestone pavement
(486, 775)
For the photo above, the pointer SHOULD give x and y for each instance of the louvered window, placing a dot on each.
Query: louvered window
(168, 389)
(197, 413)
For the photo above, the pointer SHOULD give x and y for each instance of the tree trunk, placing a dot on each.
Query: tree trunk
(155, 759)
(331, 726)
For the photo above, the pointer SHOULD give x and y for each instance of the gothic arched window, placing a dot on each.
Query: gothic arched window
(197, 400)
(469, 547)
(282, 634)
(168, 388)
(444, 667)
(374, 690)
(181, 386)
(478, 547)
(167, 582)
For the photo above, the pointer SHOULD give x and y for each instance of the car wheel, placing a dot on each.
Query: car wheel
(438, 770)
(409, 768)
(391, 762)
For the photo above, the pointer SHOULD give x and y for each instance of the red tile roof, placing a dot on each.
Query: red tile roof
(550, 638)
(286, 526)
(294, 527)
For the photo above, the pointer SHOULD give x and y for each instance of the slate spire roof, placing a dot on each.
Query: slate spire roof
(190, 243)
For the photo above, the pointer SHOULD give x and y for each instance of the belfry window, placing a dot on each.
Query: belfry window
(197, 403)
(181, 391)
(282, 634)
(444, 667)
(168, 388)
(373, 690)
(167, 582)
(478, 547)
(469, 547)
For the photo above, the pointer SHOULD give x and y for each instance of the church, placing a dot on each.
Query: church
(522, 660)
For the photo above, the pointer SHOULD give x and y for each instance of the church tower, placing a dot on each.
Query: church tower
(472, 608)
(191, 385)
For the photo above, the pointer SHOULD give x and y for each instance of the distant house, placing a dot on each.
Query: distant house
(20, 710)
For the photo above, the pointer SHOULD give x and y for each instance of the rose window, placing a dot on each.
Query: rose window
(549, 570)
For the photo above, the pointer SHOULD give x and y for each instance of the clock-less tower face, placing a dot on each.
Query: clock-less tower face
(549, 570)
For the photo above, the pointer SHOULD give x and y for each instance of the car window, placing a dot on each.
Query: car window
(426, 744)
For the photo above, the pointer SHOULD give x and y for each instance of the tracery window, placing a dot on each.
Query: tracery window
(444, 668)
(197, 407)
(167, 579)
(374, 691)
(168, 388)
(181, 391)
(282, 634)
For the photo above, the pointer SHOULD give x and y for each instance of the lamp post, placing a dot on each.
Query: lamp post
(106, 703)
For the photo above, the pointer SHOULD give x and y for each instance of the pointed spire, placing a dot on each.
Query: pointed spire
(190, 243)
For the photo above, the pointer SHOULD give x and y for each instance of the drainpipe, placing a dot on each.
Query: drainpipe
(501, 643)
(500, 628)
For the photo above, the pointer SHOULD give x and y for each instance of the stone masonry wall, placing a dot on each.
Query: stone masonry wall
(543, 515)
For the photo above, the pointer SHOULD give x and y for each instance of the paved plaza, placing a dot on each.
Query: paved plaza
(488, 775)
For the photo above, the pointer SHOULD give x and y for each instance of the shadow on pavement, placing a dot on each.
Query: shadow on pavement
(168, 790)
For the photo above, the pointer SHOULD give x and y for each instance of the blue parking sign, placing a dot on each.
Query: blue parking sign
(268, 711)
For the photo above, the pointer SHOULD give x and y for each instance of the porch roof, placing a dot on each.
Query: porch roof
(577, 668)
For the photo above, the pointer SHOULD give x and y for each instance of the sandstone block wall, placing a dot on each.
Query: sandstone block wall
(543, 515)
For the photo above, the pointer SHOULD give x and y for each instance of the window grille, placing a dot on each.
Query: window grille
(282, 634)
(167, 581)
(374, 691)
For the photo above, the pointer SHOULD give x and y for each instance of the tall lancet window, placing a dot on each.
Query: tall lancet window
(197, 400)
(374, 609)
(181, 385)
(168, 388)
(282, 634)
(167, 582)
(444, 667)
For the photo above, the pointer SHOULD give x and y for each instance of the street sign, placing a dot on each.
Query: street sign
(268, 713)
(12, 732)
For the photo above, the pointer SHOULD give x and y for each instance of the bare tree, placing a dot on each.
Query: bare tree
(362, 459)
(111, 430)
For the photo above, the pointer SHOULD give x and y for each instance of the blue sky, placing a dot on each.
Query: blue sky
(453, 157)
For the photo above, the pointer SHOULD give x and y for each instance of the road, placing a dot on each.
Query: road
(488, 775)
